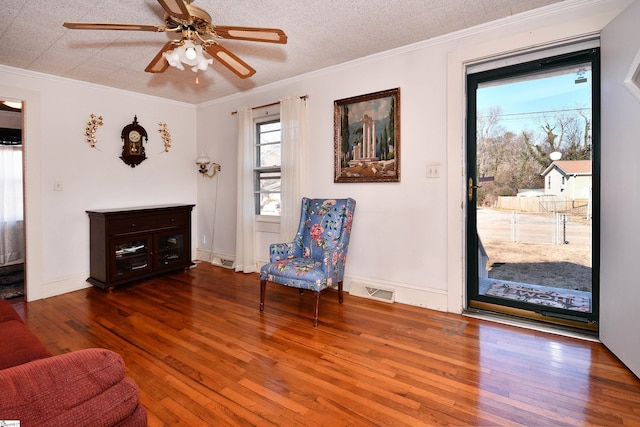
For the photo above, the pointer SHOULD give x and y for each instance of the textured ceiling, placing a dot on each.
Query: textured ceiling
(321, 33)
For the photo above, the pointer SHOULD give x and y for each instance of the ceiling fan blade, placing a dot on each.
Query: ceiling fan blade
(230, 60)
(107, 26)
(159, 63)
(176, 9)
(268, 35)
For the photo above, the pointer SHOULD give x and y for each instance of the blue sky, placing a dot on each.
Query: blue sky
(522, 101)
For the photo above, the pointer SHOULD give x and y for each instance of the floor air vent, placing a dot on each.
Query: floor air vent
(373, 292)
(221, 262)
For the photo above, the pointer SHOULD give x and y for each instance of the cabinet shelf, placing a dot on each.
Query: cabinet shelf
(133, 244)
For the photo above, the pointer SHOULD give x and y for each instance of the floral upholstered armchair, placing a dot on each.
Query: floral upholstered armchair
(316, 258)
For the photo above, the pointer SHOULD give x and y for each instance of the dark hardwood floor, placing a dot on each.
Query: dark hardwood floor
(203, 354)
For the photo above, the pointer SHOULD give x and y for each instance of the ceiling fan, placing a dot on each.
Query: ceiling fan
(197, 34)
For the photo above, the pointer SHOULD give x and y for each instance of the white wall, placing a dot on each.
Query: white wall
(620, 234)
(56, 112)
(406, 235)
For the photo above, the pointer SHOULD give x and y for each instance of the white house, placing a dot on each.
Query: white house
(568, 178)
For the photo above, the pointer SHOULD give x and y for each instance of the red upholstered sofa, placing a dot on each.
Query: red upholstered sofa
(81, 388)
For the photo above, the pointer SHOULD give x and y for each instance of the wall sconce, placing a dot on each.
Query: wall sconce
(207, 168)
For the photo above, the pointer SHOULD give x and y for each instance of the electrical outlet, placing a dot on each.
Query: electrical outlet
(204, 239)
(433, 170)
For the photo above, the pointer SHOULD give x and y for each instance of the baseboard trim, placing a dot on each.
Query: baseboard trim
(216, 258)
(434, 299)
(59, 287)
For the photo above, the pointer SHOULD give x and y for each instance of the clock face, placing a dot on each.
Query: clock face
(134, 136)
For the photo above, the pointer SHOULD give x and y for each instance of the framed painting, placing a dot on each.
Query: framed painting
(367, 137)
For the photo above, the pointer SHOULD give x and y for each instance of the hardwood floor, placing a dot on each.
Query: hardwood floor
(203, 354)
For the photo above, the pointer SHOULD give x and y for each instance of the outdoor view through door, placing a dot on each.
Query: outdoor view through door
(532, 161)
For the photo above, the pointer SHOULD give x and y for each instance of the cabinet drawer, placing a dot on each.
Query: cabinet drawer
(174, 219)
(131, 225)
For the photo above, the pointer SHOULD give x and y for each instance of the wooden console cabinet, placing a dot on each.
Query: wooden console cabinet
(137, 243)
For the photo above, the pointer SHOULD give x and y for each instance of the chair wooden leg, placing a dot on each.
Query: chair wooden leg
(263, 286)
(340, 297)
(316, 310)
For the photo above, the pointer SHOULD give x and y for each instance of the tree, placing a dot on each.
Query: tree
(344, 130)
(586, 147)
(571, 140)
(392, 122)
(542, 150)
(384, 144)
(516, 161)
(490, 142)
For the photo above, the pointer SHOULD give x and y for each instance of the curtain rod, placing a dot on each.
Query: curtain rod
(269, 105)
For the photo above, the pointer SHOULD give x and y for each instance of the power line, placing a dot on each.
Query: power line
(513, 116)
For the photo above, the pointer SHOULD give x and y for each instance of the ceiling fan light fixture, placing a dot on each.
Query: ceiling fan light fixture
(190, 54)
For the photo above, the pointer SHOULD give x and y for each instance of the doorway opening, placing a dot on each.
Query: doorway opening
(12, 230)
(533, 189)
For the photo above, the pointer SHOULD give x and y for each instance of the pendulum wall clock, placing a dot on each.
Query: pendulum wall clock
(133, 136)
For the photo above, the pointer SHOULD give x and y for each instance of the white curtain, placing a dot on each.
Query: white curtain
(245, 224)
(293, 120)
(11, 207)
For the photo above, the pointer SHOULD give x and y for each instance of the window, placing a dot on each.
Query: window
(267, 178)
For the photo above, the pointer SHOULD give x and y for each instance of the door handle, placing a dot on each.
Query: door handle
(471, 187)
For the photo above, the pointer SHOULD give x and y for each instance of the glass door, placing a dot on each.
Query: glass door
(131, 257)
(533, 189)
(170, 250)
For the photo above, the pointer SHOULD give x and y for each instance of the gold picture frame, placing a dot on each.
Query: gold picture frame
(367, 137)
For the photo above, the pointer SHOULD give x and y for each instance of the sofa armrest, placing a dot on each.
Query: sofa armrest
(81, 388)
(19, 345)
(7, 312)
